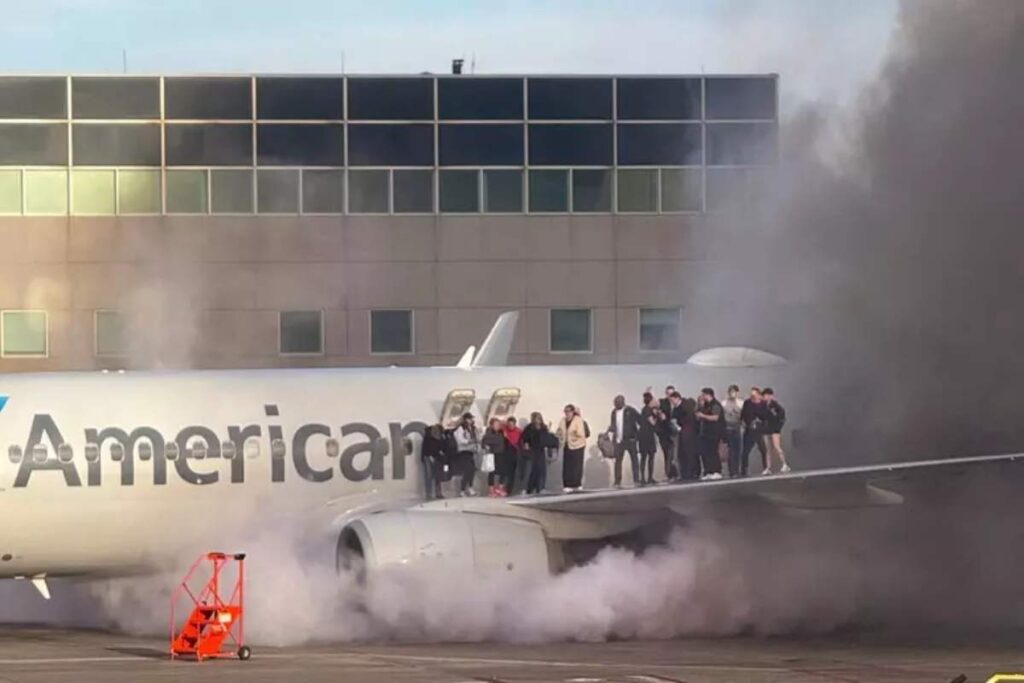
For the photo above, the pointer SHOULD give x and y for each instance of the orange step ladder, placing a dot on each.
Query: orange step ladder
(215, 627)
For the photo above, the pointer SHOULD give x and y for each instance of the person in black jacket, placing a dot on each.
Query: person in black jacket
(536, 441)
(775, 420)
(753, 415)
(432, 456)
(623, 431)
(687, 438)
(711, 422)
(668, 435)
(648, 439)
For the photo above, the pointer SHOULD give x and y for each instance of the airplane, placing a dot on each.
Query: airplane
(113, 474)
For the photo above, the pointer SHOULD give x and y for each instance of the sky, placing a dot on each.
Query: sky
(823, 49)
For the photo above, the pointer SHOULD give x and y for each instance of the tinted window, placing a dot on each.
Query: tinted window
(323, 191)
(92, 192)
(301, 332)
(277, 191)
(740, 98)
(654, 144)
(570, 98)
(24, 333)
(570, 329)
(186, 192)
(549, 191)
(390, 331)
(300, 145)
(10, 191)
(391, 145)
(459, 192)
(503, 191)
(368, 191)
(638, 190)
(591, 190)
(138, 192)
(33, 98)
(481, 145)
(741, 143)
(115, 98)
(659, 329)
(571, 144)
(231, 191)
(299, 98)
(732, 187)
(33, 144)
(658, 98)
(207, 98)
(682, 189)
(209, 144)
(391, 99)
(46, 192)
(413, 191)
(110, 333)
(480, 98)
(103, 144)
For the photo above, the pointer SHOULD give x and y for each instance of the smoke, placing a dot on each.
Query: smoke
(889, 270)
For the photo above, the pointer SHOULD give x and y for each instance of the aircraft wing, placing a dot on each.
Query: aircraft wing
(840, 488)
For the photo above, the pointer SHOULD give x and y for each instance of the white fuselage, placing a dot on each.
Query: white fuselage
(114, 516)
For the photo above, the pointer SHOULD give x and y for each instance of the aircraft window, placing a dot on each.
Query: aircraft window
(145, 451)
(198, 450)
(92, 452)
(116, 452)
(227, 450)
(252, 449)
(171, 451)
(14, 453)
(40, 453)
(64, 452)
(277, 448)
(333, 448)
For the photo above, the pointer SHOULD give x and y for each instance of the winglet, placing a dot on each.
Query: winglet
(466, 362)
(39, 582)
(496, 348)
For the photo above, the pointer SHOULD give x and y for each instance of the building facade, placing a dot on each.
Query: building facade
(277, 221)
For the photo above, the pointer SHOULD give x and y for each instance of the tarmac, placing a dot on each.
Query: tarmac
(35, 654)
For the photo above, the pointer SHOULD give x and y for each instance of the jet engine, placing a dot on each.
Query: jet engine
(452, 540)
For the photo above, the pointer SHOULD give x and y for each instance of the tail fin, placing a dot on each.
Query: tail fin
(496, 348)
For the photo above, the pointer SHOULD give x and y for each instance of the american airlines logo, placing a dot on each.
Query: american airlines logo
(3, 403)
(360, 457)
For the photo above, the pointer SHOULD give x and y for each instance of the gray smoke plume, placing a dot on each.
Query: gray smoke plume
(890, 272)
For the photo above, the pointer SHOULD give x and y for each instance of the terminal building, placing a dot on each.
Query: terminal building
(282, 221)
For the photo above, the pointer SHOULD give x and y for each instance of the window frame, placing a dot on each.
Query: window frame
(301, 354)
(639, 326)
(3, 334)
(590, 331)
(412, 331)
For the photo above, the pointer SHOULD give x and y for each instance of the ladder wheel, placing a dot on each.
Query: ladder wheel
(244, 653)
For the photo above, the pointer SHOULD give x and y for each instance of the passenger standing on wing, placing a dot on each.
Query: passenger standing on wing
(776, 418)
(493, 442)
(432, 457)
(515, 483)
(537, 438)
(753, 415)
(572, 434)
(668, 437)
(468, 445)
(688, 440)
(710, 423)
(648, 439)
(623, 430)
(732, 408)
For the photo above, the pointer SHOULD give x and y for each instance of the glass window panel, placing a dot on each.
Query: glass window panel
(481, 145)
(740, 98)
(571, 144)
(33, 144)
(391, 332)
(301, 332)
(735, 144)
(138, 192)
(570, 98)
(549, 191)
(368, 191)
(460, 192)
(659, 329)
(277, 191)
(33, 98)
(479, 99)
(207, 98)
(391, 145)
(110, 333)
(300, 145)
(638, 190)
(658, 98)
(209, 144)
(659, 144)
(115, 98)
(46, 192)
(300, 98)
(10, 191)
(413, 191)
(503, 191)
(592, 190)
(570, 329)
(732, 187)
(323, 191)
(24, 333)
(390, 99)
(230, 191)
(92, 193)
(682, 189)
(102, 144)
(186, 192)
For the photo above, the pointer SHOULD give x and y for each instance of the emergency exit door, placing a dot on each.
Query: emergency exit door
(503, 403)
(456, 404)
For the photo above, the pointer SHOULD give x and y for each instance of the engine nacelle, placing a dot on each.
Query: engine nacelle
(485, 544)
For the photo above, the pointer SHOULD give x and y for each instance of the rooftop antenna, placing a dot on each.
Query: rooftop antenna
(472, 64)
(342, 62)
(124, 61)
